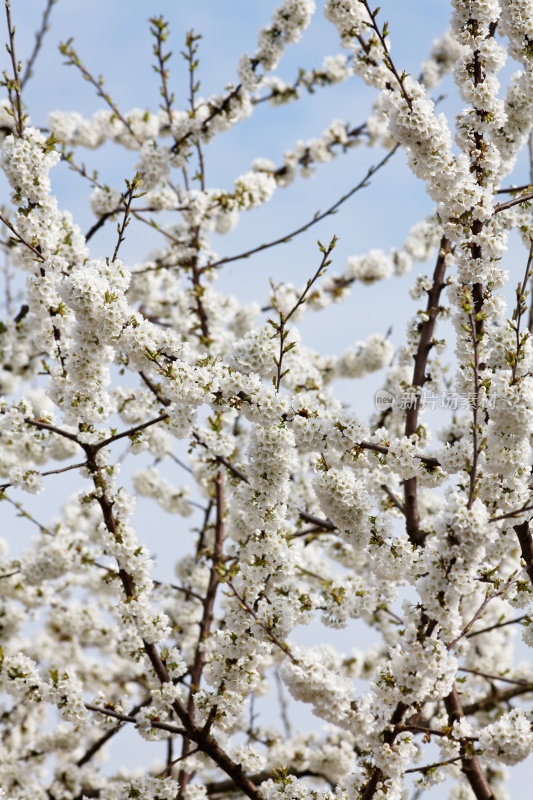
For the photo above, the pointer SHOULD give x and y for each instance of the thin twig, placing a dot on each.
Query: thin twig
(164, 726)
(515, 201)
(490, 677)
(381, 34)
(160, 30)
(39, 36)
(50, 472)
(317, 218)
(129, 432)
(127, 199)
(393, 498)
(495, 626)
(39, 256)
(512, 189)
(102, 740)
(13, 86)
(510, 514)
(324, 524)
(38, 423)
(490, 596)
(434, 766)
(271, 635)
(284, 347)
(66, 49)
(175, 761)
(519, 311)
(26, 515)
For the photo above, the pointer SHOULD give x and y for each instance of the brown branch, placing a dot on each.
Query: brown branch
(38, 255)
(395, 500)
(99, 224)
(214, 580)
(425, 343)
(271, 635)
(510, 203)
(21, 313)
(224, 461)
(129, 432)
(51, 472)
(511, 514)
(495, 626)
(13, 86)
(494, 699)
(171, 762)
(519, 311)
(387, 58)
(9, 574)
(323, 524)
(198, 291)
(489, 677)
(214, 113)
(102, 740)
(377, 775)
(434, 766)
(427, 731)
(511, 189)
(127, 200)
(470, 764)
(164, 726)
(228, 787)
(187, 592)
(37, 423)
(307, 158)
(206, 622)
(526, 546)
(154, 389)
(200, 735)
(429, 461)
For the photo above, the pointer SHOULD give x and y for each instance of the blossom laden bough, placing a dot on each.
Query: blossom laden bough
(299, 512)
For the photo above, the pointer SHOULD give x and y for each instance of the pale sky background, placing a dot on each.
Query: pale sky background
(112, 39)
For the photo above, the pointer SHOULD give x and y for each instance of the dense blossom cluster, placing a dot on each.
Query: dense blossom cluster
(300, 512)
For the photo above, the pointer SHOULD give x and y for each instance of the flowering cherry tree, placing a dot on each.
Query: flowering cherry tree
(300, 511)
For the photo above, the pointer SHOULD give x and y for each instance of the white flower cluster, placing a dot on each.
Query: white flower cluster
(289, 21)
(26, 163)
(344, 498)
(442, 58)
(314, 677)
(71, 128)
(149, 483)
(509, 739)
(334, 69)
(337, 137)
(352, 20)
